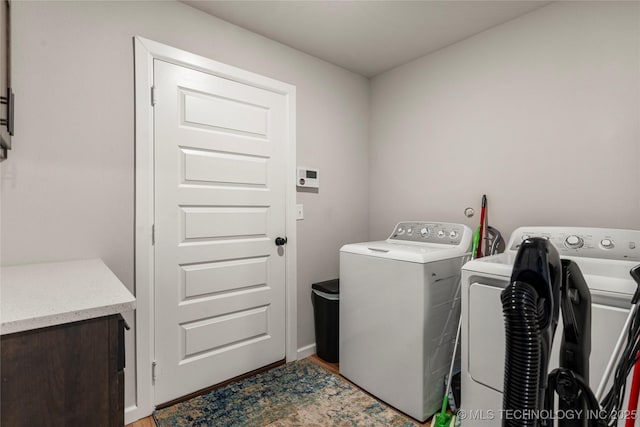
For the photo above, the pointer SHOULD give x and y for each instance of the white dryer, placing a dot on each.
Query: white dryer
(605, 257)
(399, 310)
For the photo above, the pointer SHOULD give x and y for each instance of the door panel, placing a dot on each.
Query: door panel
(227, 115)
(219, 205)
(204, 167)
(225, 222)
(219, 332)
(223, 276)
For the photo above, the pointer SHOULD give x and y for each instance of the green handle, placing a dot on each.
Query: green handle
(445, 401)
(474, 243)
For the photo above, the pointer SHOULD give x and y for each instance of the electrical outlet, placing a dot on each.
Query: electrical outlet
(299, 212)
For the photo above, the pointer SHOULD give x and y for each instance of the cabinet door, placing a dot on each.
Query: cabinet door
(64, 375)
(116, 371)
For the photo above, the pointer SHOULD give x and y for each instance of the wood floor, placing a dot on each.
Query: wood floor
(145, 422)
(331, 367)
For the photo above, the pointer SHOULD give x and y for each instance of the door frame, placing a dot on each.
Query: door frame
(146, 51)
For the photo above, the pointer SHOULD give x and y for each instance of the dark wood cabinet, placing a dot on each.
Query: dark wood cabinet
(64, 375)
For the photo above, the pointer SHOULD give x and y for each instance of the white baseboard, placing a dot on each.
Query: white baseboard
(134, 413)
(131, 414)
(306, 351)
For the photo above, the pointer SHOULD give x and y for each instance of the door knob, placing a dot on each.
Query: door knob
(281, 241)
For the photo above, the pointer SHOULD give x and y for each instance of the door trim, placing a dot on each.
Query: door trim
(145, 52)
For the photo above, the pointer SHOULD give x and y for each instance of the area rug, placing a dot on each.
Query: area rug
(296, 394)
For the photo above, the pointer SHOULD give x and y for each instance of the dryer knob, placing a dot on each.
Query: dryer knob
(573, 242)
(424, 232)
(453, 234)
(607, 243)
(441, 234)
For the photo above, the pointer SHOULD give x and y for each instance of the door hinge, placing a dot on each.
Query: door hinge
(153, 234)
(153, 95)
(154, 366)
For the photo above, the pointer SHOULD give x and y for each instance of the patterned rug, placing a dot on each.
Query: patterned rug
(296, 394)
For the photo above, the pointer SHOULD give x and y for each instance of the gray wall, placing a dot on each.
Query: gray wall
(68, 186)
(541, 113)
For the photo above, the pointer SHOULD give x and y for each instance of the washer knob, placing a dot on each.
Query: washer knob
(607, 243)
(453, 234)
(440, 234)
(424, 232)
(409, 231)
(400, 230)
(573, 242)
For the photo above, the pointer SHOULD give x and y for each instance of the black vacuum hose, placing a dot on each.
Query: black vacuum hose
(524, 319)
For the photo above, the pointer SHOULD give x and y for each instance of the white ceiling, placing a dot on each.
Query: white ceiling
(367, 37)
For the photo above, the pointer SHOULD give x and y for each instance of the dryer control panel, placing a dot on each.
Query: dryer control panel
(430, 232)
(606, 243)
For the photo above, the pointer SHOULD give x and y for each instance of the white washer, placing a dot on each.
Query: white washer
(605, 257)
(399, 311)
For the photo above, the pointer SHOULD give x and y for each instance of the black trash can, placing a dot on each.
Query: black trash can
(325, 297)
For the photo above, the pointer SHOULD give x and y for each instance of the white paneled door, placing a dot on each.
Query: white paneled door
(219, 206)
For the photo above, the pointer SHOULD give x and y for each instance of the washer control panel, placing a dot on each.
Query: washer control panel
(429, 232)
(605, 243)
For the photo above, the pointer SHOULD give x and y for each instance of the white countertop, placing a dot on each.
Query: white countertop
(40, 295)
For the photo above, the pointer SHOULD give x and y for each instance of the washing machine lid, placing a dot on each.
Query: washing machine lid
(605, 255)
(421, 254)
(603, 276)
(497, 265)
(608, 276)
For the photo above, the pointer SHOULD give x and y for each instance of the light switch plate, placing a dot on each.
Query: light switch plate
(299, 212)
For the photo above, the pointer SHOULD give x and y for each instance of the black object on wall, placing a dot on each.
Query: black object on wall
(7, 97)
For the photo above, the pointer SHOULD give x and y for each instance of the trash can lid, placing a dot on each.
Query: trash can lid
(328, 286)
